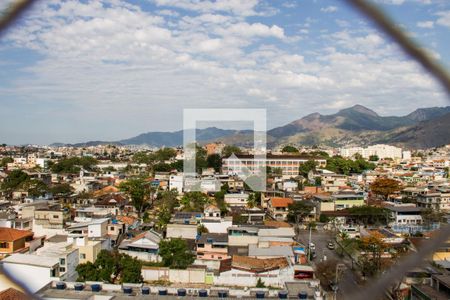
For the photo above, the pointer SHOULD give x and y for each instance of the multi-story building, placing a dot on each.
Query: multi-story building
(289, 164)
(278, 207)
(405, 215)
(212, 246)
(437, 199)
(345, 200)
(382, 151)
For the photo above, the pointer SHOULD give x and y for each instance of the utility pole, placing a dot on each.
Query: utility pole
(309, 244)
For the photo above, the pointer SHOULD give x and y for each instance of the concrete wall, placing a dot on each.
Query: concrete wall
(190, 275)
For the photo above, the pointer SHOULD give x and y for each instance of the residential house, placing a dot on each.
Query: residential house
(237, 199)
(36, 271)
(278, 207)
(212, 246)
(14, 240)
(405, 215)
(211, 212)
(67, 255)
(437, 199)
(245, 271)
(348, 199)
(144, 246)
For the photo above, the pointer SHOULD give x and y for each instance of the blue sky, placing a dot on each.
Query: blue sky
(74, 71)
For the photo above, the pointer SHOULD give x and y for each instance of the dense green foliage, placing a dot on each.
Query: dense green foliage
(138, 190)
(298, 211)
(74, 164)
(159, 156)
(175, 253)
(341, 165)
(230, 149)
(194, 201)
(62, 189)
(111, 267)
(19, 180)
(289, 149)
(6, 160)
(306, 167)
(214, 161)
(369, 214)
(167, 202)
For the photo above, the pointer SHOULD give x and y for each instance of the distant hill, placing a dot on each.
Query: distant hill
(426, 134)
(356, 125)
(172, 139)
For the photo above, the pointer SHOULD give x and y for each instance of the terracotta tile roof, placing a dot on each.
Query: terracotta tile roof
(13, 294)
(278, 224)
(281, 202)
(10, 234)
(258, 265)
(106, 190)
(126, 219)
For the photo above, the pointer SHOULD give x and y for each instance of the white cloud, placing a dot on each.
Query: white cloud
(118, 62)
(425, 24)
(329, 9)
(238, 7)
(444, 18)
(391, 2)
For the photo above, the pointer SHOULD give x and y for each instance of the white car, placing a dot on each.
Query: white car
(312, 246)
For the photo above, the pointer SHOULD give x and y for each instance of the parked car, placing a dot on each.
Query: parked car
(330, 245)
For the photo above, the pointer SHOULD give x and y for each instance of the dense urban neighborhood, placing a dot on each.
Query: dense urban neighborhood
(126, 220)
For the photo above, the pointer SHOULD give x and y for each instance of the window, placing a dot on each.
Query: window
(62, 269)
(82, 256)
(55, 216)
(62, 261)
(4, 245)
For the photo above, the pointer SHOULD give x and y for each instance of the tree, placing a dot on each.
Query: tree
(202, 229)
(260, 283)
(297, 211)
(175, 253)
(229, 149)
(372, 248)
(289, 149)
(74, 164)
(374, 158)
(306, 167)
(194, 201)
(369, 214)
(138, 190)
(62, 189)
(430, 216)
(5, 161)
(111, 267)
(214, 161)
(326, 272)
(35, 187)
(384, 187)
(15, 180)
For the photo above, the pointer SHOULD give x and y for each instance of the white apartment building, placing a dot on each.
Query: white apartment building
(238, 199)
(289, 164)
(35, 271)
(176, 182)
(380, 150)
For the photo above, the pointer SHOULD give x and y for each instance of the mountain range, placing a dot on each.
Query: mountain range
(354, 126)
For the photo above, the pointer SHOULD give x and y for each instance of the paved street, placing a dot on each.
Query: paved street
(348, 281)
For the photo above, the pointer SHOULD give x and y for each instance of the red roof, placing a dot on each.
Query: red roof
(13, 294)
(10, 234)
(281, 202)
